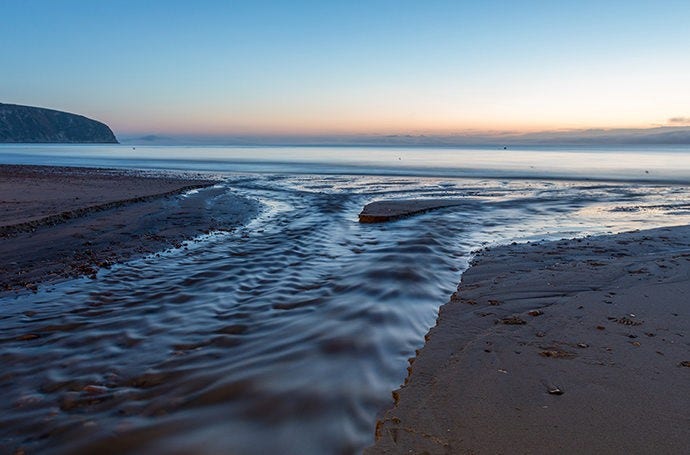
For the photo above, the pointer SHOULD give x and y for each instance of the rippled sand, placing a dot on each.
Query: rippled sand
(286, 336)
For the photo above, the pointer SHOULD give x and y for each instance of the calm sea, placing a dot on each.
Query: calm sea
(639, 163)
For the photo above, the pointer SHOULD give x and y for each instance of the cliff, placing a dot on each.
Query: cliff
(22, 124)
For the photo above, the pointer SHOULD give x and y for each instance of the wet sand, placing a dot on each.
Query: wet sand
(59, 222)
(575, 346)
(382, 211)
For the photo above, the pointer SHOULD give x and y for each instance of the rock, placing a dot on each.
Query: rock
(381, 211)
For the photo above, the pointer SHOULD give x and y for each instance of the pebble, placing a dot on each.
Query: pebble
(555, 391)
(94, 389)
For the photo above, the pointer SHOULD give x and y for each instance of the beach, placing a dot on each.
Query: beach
(252, 312)
(77, 220)
(339, 228)
(573, 346)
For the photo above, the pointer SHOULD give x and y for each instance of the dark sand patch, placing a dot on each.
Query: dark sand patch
(600, 370)
(381, 211)
(57, 223)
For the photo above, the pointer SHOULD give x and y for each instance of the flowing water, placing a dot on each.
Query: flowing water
(285, 336)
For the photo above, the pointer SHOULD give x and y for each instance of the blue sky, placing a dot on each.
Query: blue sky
(320, 67)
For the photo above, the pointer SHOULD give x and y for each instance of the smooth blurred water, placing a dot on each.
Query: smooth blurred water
(639, 163)
(286, 336)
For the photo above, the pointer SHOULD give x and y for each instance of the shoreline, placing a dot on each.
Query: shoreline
(571, 346)
(75, 221)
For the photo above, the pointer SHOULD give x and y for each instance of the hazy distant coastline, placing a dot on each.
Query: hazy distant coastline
(664, 135)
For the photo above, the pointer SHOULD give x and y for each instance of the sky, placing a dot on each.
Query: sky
(322, 67)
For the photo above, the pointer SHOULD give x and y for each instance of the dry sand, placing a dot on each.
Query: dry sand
(578, 346)
(57, 223)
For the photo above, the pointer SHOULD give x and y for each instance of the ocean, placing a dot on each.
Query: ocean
(288, 334)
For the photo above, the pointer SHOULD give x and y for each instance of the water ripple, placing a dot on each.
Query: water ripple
(285, 336)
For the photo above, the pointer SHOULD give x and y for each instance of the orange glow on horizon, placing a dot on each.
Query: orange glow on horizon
(298, 127)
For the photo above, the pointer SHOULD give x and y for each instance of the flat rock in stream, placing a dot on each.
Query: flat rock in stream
(381, 211)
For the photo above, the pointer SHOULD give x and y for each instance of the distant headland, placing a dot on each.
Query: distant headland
(27, 124)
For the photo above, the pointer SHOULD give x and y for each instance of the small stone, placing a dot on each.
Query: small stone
(94, 389)
(27, 400)
(626, 321)
(557, 354)
(555, 391)
(535, 313)
(513, 320)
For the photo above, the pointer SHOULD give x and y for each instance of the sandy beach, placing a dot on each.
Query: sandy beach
(575, 346)
(77, 220)
(343, 228)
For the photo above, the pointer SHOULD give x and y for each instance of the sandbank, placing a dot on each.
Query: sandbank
(62, 222)
(381, 211)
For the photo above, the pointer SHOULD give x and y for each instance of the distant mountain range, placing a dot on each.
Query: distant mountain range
(27, 124)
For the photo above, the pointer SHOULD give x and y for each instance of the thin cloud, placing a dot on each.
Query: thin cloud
(679, 120)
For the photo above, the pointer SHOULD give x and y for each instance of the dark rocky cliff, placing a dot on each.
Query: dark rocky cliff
(35, 124)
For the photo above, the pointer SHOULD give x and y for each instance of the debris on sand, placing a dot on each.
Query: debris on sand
(513, 320)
